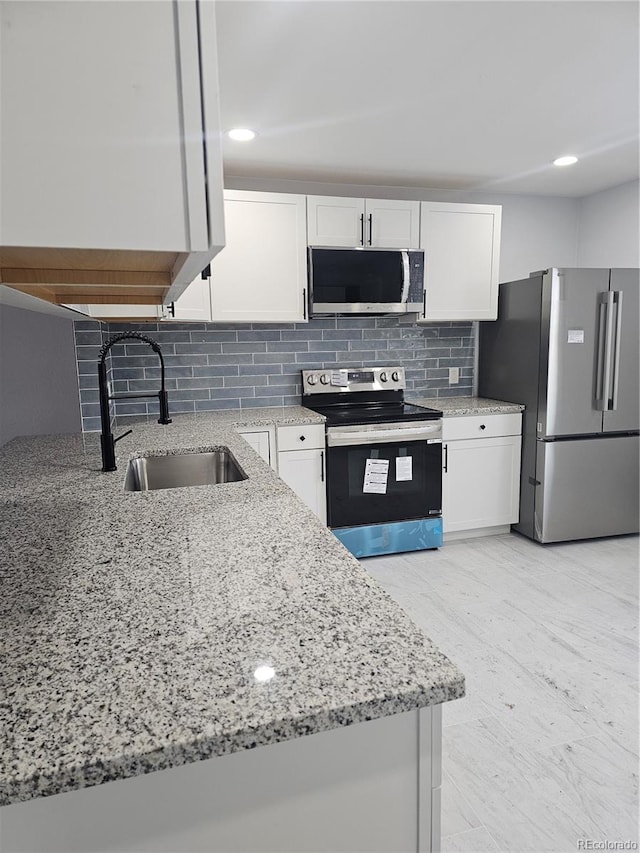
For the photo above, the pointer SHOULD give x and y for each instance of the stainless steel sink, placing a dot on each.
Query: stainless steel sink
(182, 469)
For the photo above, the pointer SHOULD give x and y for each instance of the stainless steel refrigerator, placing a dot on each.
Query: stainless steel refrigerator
(565, 344)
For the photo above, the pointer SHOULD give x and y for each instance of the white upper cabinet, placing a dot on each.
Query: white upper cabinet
(335, 221)
(194, 305)
(392, 224)
(110, 150)
(379, 223)
(261, 274)
(461, 243)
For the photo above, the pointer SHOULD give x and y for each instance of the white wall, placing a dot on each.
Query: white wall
(38, 379)
(609, 227)
(537, 231)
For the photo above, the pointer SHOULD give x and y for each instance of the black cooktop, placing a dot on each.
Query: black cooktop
(341, 414)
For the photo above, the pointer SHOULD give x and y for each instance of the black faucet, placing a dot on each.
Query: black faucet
(107, 441)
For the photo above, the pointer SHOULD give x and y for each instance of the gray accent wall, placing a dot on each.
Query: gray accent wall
(221, 366)
(38, 380)
(609, 225)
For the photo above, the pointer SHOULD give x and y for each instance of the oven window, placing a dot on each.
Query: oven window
(411, 489)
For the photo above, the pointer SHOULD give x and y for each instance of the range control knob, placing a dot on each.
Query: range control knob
(325, 379)
(312, 379)
(383, 377)
(395, 376)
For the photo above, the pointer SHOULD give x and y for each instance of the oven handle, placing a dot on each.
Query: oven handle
(382, 436)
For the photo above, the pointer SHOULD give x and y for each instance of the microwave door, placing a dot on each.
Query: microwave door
(358, 281)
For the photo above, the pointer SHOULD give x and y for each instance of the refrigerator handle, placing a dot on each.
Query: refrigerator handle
(603, 378)
(617, 300)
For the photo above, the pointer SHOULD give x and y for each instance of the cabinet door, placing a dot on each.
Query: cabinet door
(392, 224)
(122, 313)
(462, 251)
(303, 471)
(261, 274)
(335, 221)
(260, 442)
(480, 483)
(194, 304)
(116, 135)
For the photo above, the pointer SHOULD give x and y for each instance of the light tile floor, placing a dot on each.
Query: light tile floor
(543, 751)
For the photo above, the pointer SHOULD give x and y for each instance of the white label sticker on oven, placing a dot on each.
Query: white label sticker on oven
(575, 336)
(404, 468)
(376, 473)
(340, 378)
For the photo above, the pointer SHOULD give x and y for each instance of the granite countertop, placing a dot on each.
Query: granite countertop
(457, 406)
(132, 623)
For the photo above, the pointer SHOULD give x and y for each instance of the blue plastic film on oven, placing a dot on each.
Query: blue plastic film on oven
(392, 538)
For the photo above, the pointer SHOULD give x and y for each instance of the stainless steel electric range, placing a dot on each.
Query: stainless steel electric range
(384, 460)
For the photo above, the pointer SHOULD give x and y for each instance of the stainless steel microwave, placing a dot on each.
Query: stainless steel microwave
(365, 281)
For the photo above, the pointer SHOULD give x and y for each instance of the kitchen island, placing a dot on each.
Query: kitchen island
(175, 631)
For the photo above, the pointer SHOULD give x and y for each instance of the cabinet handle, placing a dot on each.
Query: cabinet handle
(446, 458)
(322, 466)
(362, 229)
(370, 227)
(304, 303)
(424, 302)
(483, 426)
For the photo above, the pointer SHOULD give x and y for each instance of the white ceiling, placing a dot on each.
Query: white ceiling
(454, 94)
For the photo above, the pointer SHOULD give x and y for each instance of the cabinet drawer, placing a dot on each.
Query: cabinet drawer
(301, 437)
(481, 426)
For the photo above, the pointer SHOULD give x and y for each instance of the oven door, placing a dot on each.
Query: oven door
(387, 479)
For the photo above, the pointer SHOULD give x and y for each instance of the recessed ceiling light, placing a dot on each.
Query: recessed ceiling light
(241, 134)
(565, 161)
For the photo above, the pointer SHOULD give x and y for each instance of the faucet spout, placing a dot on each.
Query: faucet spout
(107, 441)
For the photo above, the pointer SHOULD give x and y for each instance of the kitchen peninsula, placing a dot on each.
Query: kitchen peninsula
(174, 631)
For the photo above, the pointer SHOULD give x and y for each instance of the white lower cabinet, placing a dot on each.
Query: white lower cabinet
(303, 471)
(299, 459)
(263, 442)
(301, 464)
(481, 472)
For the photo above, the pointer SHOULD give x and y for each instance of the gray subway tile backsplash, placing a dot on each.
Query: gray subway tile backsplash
(211, 405)
(236, 366)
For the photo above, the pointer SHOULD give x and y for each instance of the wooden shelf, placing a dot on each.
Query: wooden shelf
(93, 276)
